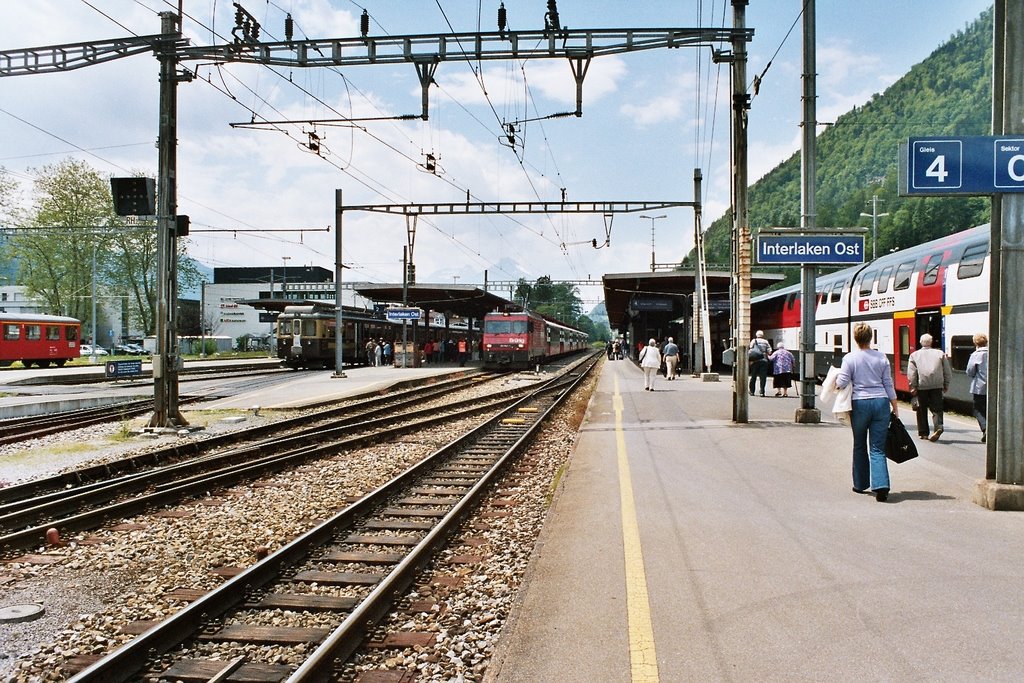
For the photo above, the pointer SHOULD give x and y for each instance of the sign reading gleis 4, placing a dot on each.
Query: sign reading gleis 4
(973, 165)
(813, 249)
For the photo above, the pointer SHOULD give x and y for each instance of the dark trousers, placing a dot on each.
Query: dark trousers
(980, 410)
(758, 370)
(928, 400)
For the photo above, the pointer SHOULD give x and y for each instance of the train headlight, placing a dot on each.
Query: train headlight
(489, 346)
(521, 346)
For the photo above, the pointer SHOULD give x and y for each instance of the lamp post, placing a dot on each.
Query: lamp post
(652, 219)
(92, 356)
(874, 216)
(202, 319)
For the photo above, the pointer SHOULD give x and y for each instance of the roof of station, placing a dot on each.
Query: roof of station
(620, 288)
(462, 300)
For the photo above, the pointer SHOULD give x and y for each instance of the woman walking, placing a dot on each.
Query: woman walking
(650, 361)
(874, 400)
(977, 370)
(782, 370)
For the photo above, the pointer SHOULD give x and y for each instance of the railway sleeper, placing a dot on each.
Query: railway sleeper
(202, 670)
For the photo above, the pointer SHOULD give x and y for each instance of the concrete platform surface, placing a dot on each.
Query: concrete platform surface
(684, 547)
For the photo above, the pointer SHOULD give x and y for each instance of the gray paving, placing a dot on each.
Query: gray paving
(761, 563)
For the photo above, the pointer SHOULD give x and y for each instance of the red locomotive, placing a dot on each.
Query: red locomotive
(524, 339)
(39, 340)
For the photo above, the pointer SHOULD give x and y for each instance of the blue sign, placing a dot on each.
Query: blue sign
(116, 369)
(971, 166)
(403, 314)
(810, 249)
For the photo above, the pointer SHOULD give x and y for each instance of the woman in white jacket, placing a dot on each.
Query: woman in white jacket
(650, 361)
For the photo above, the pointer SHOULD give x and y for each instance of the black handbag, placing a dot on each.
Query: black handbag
(899, 445)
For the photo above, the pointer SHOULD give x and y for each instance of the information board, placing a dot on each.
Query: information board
(116, 369)
(968, 166)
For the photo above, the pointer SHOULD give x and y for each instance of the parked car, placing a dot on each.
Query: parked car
(88, 350)
(129, 350)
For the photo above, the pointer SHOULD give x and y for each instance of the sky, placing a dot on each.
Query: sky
(260, 196)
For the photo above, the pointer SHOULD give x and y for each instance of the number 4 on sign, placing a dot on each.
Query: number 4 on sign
(937, 169)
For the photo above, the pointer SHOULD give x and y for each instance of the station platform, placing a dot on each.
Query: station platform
(684, 547)
(31, 392)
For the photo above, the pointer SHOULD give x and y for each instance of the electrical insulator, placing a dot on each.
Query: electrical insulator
(364, 24)
(431, 163)
(289, 27)
(552, 15)
(502, 18)
(593, 243)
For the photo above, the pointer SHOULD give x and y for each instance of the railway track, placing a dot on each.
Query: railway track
(88, 498)
(340, 577)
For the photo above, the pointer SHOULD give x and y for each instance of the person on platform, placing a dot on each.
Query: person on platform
(463, 351)
(378, 353)
(929, 374)
(650, 361)
(428, 351)
(977, 370)
(757, 353)
(388, 353)
(670, 352)
(782, 370)
(370, 346)
(873, 400)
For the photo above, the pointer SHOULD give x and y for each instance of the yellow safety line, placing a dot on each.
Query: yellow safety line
(643, 660)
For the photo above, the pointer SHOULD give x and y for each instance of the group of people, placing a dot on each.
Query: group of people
(379, 352)
(763, 358)
(446, 351)
(652, 359)
(614, 349)
(873, 395)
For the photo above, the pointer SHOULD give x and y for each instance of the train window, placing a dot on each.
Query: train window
(824, 294)
(931, 269)
(903, 273)
(790, 298)
(33, 332)
(962, 348)
(837, 292)
(883, 279)
(52, 333)
(972, 262)
(71, 333)
(904, 346)
(12, 332)
(867, 283)
(309, 328)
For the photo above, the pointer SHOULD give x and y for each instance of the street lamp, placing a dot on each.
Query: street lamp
(652, 219)
(284, 276)
(874, 216)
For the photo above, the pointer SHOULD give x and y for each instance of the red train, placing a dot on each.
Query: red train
(524, 339)
(40, 340)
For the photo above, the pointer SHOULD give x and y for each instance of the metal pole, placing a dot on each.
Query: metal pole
(696, 326)
(339, 329)
(807, 413)
(202, 319)
(405, 304)
(741, 228)
(92, 357)
(165, 360)
(1009, 317)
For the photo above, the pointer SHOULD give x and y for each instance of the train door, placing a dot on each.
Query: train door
(931, 322)
(903, 335)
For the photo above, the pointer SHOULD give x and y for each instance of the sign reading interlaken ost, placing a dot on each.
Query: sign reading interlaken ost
(810, 249)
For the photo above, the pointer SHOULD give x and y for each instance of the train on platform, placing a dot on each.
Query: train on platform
(39, 340)
(940, 287)
(524, 339)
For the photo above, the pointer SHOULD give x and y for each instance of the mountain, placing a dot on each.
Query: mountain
(949, 93)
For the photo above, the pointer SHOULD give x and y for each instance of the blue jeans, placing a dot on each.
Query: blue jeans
(870, 422)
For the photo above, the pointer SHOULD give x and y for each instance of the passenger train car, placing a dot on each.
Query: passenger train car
(939, 287)
(524, 339)
(306, 335)
(40, 340)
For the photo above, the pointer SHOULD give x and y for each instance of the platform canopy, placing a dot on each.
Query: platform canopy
(461, 300)
(666, 291)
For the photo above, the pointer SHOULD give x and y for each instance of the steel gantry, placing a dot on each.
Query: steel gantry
(425, 52)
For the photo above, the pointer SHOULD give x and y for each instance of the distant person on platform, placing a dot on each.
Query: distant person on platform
(757, 353)
(378, 353)
(929, 374)
(670, 352)
(782, 370)
(977, 370)
(463, 351)
(370, 346)
(608, 349)
(650, 362)
(388, 353)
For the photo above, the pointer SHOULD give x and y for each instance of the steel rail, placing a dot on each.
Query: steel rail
(133, 658)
